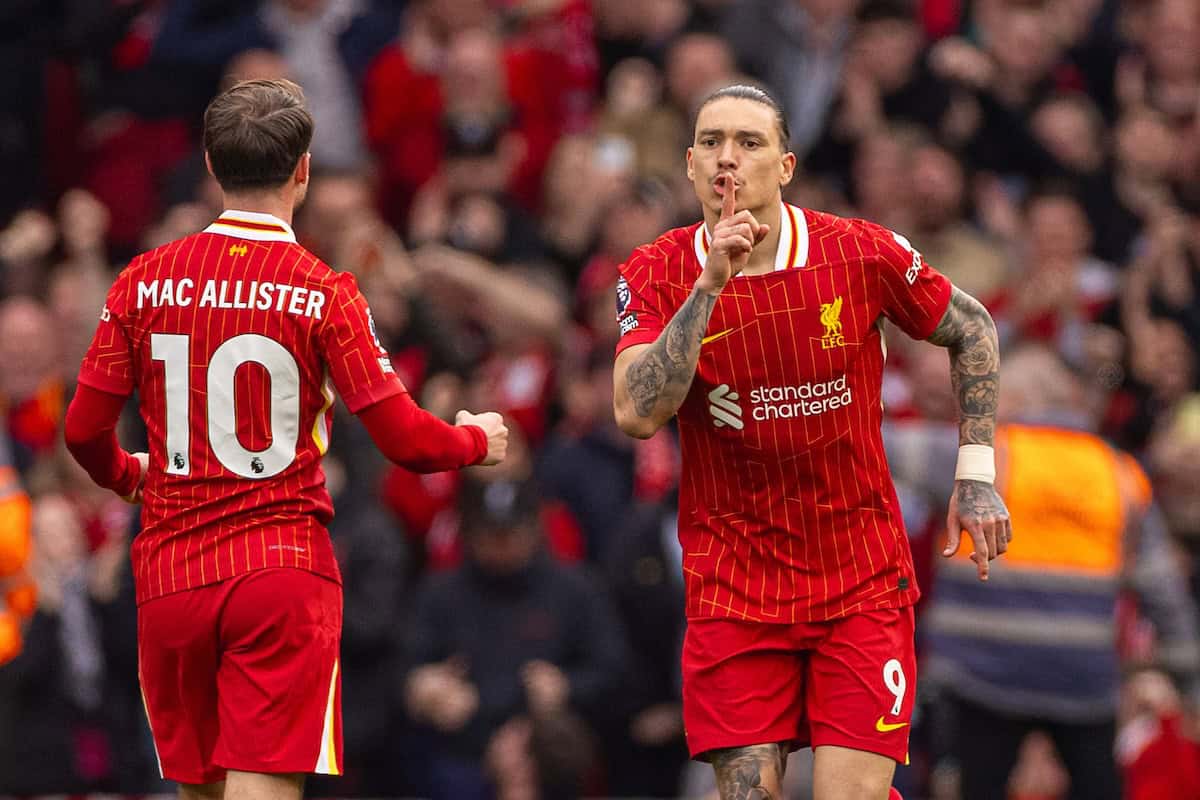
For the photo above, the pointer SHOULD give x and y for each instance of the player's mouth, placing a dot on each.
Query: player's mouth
(718, 183)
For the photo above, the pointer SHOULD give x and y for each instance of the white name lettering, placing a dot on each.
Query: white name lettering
(236, 295)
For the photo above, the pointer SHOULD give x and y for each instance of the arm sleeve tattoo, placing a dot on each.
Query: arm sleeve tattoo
(659, 379)
(968, 332)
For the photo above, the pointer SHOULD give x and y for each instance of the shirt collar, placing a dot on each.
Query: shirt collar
(252, 225)
(793, 239)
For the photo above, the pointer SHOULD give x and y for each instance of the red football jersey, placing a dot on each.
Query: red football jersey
(235, 339)
(787, 512)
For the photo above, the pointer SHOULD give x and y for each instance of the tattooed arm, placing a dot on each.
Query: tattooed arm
(968, 332)
(651, 380)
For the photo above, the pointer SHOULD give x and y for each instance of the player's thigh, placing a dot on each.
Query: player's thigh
(843, 773)
(278, 684)
(862, 683)
(177, 669)
(743, 684)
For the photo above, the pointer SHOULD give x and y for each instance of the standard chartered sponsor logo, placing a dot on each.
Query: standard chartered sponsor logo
(722, 404)
(779, 402)
(801, 400)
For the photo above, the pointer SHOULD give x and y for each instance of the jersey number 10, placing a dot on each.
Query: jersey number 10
(174, 350)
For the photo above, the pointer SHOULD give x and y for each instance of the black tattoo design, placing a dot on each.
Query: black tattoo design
(663, 374)
(740, 771)
(969, 333)
(979, 500)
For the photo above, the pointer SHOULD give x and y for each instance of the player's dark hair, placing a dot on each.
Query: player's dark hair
(255, 133)
(743, 91)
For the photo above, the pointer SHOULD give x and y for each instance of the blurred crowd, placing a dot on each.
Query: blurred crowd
(483, 166)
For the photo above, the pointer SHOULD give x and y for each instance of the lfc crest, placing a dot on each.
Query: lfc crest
(831, 318)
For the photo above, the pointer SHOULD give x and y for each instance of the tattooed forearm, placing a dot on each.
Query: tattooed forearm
(749, 773)
(969, 333)
(660, 377)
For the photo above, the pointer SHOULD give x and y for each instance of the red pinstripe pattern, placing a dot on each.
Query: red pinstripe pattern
(213, 524)
(791, 519)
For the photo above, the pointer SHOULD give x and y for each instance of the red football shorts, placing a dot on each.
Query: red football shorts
(243, 675)
(848, 682)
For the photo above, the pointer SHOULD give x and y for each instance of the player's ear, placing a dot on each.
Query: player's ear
(208, 164)
(302, 168)
(787, 168)
(691, 172)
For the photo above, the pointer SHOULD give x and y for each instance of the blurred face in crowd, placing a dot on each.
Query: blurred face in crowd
(937, 185)
(1036, 383)
(931, 392)
(1058, 230)
(1145, 144)
(334, 203)
(473, 79)
(887, 50)
(1174, 455)
(503, 551)
(451, 16)
(57, 534)
(634, 86)
(697, 64)
(880, 172)
(1175, 36)
(634, 220)
(1070, 129)
(1022, 43)
(28, 347)
(1171, 360)
(741, 138)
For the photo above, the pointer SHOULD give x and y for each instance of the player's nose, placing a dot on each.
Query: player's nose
(727, 157)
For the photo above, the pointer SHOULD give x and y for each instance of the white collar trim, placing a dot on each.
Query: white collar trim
(252, 225)
(793, 239)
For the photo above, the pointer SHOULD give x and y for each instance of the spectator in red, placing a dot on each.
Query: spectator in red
(456, 81)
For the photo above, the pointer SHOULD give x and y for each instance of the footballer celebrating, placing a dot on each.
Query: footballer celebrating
(760, 330)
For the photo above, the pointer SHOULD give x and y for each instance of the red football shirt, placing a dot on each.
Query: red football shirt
(235, 339)
(787, 512)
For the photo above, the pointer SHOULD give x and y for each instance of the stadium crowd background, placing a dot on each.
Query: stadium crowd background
(483, 167)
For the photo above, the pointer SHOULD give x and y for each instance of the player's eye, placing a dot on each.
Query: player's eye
(752, 144)
(708, 141)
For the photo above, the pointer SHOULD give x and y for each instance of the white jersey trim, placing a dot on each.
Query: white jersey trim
(791, 218)
(276, 230)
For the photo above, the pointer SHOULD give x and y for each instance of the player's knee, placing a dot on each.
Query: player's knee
(202, 791)
(856, 787)
(754, 772)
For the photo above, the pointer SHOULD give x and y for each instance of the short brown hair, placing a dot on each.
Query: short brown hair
(255, 133)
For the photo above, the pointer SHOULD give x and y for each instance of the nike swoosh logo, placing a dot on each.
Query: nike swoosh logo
(888, 727)
(716, 336)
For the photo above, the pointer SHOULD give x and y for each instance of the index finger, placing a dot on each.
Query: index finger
(982, 554)
(729, 200)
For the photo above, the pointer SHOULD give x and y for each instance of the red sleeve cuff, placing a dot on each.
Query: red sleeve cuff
(373, 394)
(104, 382)
(932, 321)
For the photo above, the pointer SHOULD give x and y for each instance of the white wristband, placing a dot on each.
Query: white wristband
(976, 462)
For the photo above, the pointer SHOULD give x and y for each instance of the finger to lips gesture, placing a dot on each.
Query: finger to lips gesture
(737, 232)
